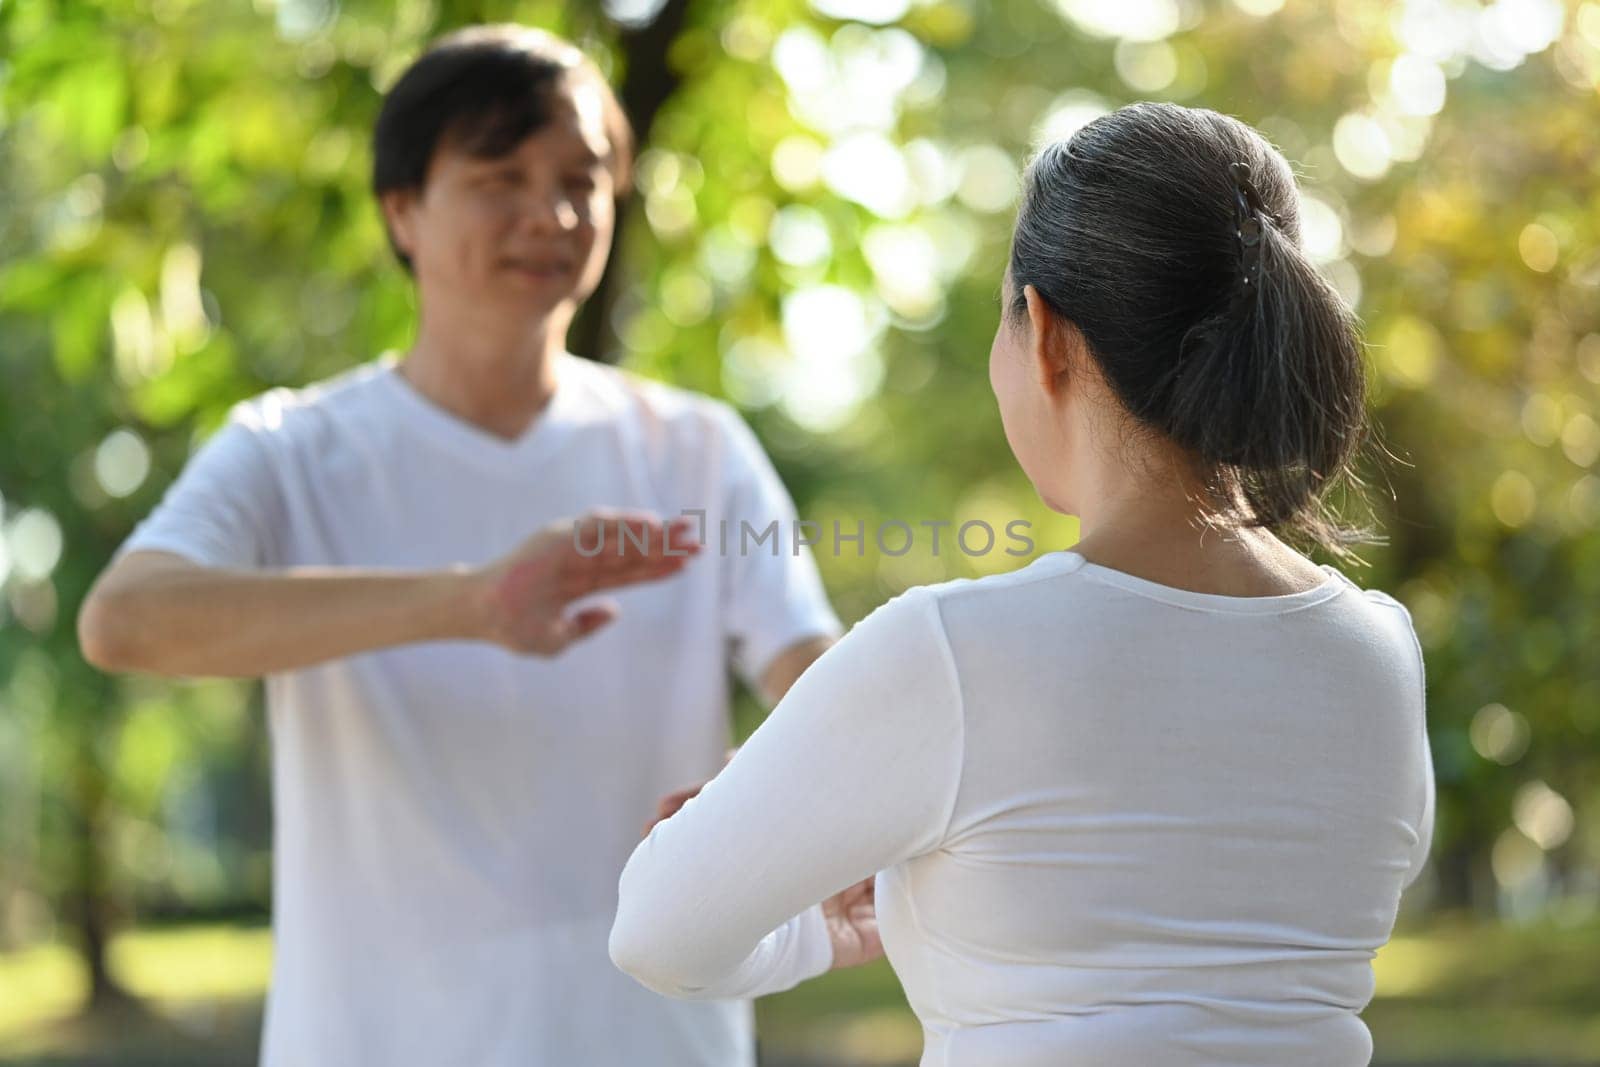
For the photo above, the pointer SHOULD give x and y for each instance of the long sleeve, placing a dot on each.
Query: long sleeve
(1425, 820)
(856, 770)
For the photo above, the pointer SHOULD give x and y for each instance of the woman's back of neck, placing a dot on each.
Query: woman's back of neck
(1240, 563)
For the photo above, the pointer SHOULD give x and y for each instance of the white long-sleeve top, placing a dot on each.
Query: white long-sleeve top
(1112, 822)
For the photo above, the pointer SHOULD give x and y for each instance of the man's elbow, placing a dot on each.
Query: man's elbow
(108, 632)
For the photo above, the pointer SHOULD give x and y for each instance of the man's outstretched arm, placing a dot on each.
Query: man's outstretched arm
(160, 613)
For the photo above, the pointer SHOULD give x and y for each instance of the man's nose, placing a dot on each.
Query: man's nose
(549, 210)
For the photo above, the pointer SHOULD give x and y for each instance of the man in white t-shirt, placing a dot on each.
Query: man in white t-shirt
(466, 744)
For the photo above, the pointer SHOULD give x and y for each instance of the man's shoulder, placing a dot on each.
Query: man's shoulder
(281, 409)
(659, 407)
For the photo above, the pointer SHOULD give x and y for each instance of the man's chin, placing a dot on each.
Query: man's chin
(542, 294)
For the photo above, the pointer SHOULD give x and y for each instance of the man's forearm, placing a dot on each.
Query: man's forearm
(159, 612)
(193, 621)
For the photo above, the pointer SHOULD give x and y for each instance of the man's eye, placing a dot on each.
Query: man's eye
(580, 182)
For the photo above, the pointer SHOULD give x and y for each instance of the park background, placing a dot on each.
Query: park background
(823, 207)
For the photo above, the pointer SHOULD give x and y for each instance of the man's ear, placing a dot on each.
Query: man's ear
(1051, 340)
(398, 206)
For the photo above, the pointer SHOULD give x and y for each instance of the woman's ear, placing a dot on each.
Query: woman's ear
(1050, 342)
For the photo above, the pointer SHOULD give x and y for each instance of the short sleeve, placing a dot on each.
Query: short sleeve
(773, 594)
(226, 506)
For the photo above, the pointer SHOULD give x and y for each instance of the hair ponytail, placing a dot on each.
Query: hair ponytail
(1240, 353)
(1270, 391)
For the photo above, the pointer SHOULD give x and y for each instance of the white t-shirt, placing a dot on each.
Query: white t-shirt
(451, 818)
(1113, 823)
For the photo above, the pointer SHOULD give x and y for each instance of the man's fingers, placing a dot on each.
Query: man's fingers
(633, 572)
(683, 534)
(610, 550)
(619, 536)
(591, 618)
(581, 624)
(569, 560)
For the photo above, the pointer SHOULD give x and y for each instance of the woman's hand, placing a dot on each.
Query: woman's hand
(852, 916)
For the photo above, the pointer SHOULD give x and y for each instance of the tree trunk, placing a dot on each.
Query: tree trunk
(647, 84)
(89, 908)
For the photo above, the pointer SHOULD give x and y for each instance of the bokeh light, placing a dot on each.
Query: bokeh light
(1499, 734)
(1543, 815)
(35, 543)
(121, 463)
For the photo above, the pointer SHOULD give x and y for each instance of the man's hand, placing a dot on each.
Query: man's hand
(852, 916)
(668, 805)
(523, 598)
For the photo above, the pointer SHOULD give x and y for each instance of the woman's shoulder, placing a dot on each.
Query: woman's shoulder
(1392, 617)
(1048, 567)
(1041, 568)
(927, 612)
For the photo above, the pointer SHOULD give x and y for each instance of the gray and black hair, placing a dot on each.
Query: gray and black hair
(1130, 230)
(485, 88)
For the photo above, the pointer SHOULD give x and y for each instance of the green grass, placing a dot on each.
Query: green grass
(857, 1016)
(200, 989)
(1473, 992)
(1457, 992)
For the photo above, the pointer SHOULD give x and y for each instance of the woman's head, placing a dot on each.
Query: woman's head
(1150, 301)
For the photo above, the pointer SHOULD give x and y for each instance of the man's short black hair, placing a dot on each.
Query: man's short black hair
(485, 88)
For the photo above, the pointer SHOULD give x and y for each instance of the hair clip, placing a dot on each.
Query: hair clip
(1247, 226)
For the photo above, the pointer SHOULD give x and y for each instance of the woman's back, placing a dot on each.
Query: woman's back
(1181, 826)
(1113, 823)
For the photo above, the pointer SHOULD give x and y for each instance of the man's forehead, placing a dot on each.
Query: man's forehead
(589, 104)
(577, 112)
(573, 125)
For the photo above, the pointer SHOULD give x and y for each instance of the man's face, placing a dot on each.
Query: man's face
(523, 234)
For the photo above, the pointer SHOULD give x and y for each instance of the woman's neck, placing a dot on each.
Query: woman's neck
(1149, 518)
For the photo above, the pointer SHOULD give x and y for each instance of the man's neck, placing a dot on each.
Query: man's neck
(498, 380)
